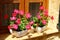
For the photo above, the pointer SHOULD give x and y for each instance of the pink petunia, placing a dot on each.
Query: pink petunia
(16, 11)
(52, 18)
(12, 18)
(44, 22)
(15, 26)
(28, 26)
(21, 12)
(41, 8)
(18, 21)
(14, 14)
(28, 15)
(32, 22)
(39, 17)
(46, 13)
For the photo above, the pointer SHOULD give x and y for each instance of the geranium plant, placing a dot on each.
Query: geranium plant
(42, 17)
(19, 20)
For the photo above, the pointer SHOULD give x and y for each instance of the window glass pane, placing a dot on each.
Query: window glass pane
(8, 9)
(34, 8)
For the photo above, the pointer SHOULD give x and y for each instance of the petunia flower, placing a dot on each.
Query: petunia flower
(41, 8)
(46, 13)
(28, 26)
(39, 17)
(12, 18)
(16, 11)
(14, 14)
(21, 12)
(6, 16)
(18, 21)
(32, 22)
(28, 15)
(15, 26)
(44, 22)
(52, 18)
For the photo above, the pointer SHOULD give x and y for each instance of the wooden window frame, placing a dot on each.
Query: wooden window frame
(45, 4)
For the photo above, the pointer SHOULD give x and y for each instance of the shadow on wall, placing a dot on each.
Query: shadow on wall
(58, 25)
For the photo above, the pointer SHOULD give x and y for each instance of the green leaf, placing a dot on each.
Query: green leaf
(11, 22)
(22, 26)
(35, 19)
(40, 24)
(34, 25)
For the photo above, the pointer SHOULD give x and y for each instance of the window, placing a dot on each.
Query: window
(7, 10)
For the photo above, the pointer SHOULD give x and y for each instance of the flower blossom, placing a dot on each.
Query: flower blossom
(39, 17)
(21, 12)
(44, 22)
(32, 22)
(18, 21)
(28, 15)
(12, 18)
(16, 11)
(46, 13)
(41, 7)
(14, 14)
(15, 26)
(28, 26)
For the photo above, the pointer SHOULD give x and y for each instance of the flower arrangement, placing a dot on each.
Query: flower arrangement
(41, 18)
(20, 21)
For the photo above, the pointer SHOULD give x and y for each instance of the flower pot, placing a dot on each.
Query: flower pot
(40, 29)
(18, 33)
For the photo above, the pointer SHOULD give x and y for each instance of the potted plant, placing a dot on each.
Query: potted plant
(19, 23)
(41, 19)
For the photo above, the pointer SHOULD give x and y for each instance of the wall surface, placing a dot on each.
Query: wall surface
(53, 11)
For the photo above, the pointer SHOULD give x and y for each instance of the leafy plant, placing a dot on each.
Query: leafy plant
(19, 20)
